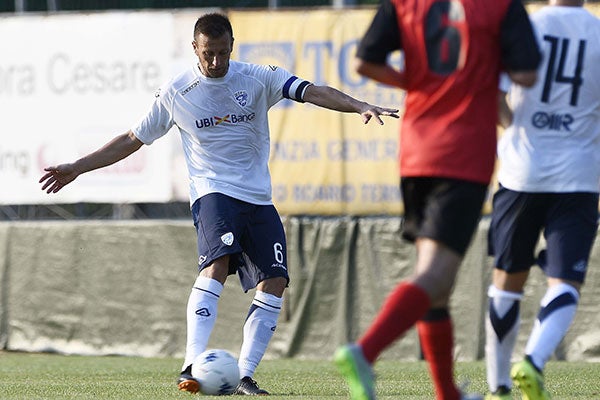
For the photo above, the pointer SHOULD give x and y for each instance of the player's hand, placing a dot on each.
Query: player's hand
(375, 112)
(57, 177)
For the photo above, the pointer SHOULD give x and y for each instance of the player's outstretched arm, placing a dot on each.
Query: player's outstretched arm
(333, 99)
(523, 78)
(383, 73)
(58, 176)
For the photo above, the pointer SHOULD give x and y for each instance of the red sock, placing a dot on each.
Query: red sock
(404, 306)
(437, 343)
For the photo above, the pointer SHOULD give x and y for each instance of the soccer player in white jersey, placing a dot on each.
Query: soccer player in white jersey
(220, 107)
(549, 175)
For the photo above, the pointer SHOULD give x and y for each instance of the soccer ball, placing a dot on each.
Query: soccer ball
(217, 371)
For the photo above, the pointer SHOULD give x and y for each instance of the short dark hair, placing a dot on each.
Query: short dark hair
(213, 25)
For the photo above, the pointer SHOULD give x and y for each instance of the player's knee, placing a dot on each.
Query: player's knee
(273, 286)
(437, 286)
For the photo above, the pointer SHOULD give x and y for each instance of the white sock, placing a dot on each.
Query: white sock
(258, 330)
(501, 330)
(201, 316)
(558, 308)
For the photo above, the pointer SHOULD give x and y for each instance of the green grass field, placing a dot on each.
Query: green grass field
(47, 376)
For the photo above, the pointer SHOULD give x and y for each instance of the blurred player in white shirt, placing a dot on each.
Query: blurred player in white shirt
(549, 179)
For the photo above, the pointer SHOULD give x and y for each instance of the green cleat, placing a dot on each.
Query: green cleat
(531, 381)
(358, 372)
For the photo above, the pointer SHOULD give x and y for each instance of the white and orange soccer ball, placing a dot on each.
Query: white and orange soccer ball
(217, 372)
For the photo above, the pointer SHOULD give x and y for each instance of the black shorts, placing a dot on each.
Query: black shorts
(252, 235)
(569, 222)
(442, 209)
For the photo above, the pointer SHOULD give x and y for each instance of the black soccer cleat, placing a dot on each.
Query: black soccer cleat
(186, 381)
(249, 387)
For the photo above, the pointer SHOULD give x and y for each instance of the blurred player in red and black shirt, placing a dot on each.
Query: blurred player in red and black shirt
(454, 52)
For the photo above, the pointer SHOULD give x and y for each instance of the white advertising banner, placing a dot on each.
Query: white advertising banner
(68, 84)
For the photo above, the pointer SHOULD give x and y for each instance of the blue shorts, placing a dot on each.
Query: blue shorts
(442, 209)
(569, 222)
(252, 235)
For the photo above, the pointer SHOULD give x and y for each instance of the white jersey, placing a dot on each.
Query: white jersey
(224, 126)
(553, 144)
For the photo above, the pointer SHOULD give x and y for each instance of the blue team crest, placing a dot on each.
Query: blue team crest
(227, 238)
(241, 96)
